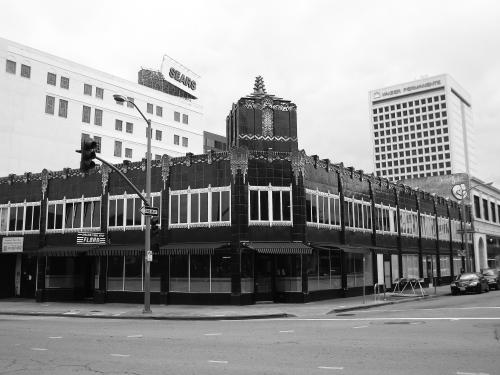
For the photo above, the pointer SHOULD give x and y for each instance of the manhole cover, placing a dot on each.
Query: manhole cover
(346, 314)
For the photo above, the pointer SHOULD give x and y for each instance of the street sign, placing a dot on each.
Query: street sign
(149, 211)
(149, 256)
(91, 238)
(459, 191)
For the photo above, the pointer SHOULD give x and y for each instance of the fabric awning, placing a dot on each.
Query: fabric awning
(116, 250)
(280, 248)
(195, 248)
(62, 251)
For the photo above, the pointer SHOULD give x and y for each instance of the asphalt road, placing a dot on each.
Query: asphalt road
(450, 335)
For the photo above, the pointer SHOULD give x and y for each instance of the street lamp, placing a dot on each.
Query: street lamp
(147, 239)
(461, 192)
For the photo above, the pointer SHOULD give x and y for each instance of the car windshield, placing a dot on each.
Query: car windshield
(488, 273)
(468, 276)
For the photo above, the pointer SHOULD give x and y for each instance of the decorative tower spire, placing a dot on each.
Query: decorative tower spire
(259, 87)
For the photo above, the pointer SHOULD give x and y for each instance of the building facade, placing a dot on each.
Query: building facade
(485, 201)
(262, 221)
(422, 128)
(214, 142)
(49, 104)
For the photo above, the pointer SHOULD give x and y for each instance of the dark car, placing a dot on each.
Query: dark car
(469, 282)
(493, 277)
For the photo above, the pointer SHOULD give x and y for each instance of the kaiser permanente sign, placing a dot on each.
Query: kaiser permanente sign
(411, 88)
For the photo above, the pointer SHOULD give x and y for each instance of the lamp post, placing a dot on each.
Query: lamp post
(147, 218)
(461, 192)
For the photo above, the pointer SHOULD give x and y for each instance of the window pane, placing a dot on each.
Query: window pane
(174, 206)
(133, 273)
(87, 214)
(254, 205)
(199, 273)
(183, 208)
(130, 211)
(285, 199)
(314, 206)
(215, 206)
(29, 217)
(137, 213)
(112, 213)
(59, 216)
(115, 272)
(179, 273)
(51, 213)
(225, 206)
(194, 207)
(119, 212)
(321, 210)
(36, 217)
(69, 215)
(308, 208)
(203, 207)
(264, 206)
(77, 215)
(20, 214)
(276, 205)
(96, 214)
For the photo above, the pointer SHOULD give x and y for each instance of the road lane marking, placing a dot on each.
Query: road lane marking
(134, 336)
(39, 349)
(289, 331)
(363, 319)
(119, 355)
(55, 337)
(330, 368)
(213, 361)
(213, 334)
(360, 327)
(471, 373)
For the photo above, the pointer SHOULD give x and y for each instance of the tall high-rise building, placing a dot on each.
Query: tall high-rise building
(47, 104)
(422, 128)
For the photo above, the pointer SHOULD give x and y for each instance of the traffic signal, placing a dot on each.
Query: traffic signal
(155, 232)
(87, 150)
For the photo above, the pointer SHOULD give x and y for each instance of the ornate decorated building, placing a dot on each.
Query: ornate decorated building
(262, 221)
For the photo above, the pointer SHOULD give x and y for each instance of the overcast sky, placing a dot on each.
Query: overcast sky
(323, 55)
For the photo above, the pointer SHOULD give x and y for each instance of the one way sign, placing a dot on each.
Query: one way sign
(149, 211)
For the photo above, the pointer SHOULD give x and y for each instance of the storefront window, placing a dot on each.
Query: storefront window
(395, 267)
(410, 266)
(59, 272)
(155, 274)
(324, 270)
(179, 273)
(133, 273)
(247, 271)
(200, 274)
(115, 273)
(355, 266)
(288, 273)
(444, 262)
(221, 273)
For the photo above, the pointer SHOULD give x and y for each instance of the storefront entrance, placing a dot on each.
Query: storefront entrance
(27, 277)
(264, 277)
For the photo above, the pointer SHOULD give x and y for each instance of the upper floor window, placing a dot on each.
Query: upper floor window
(158, 135)
(200, 207)
(477, 207)
(118, 149)
(63, 108)
(409, 223)
(428, 224)
(386, 219)
(149, 108)
(159, 111)
(99, 92)
(51, 79)
(493, 212)
(128, 153)
(118, 125)
(25, 71)
(19, 217)
(486, 209)
(176, 139)
(98, 141)
(71, 215)
(98, 117)
(124, 211)
(177, 116)
(87, 89)
(270, 205)
(10, 67)
(322, 209)
(129, 127)
(64, 83)
(358, 214)
(185, 119)
(50, 103)
(443, 228)
(185, 141)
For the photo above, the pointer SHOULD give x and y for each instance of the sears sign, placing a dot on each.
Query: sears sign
(184, 79)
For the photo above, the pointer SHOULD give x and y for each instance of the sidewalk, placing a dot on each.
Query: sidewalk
(202, 312)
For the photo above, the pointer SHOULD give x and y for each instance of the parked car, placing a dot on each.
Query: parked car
(469, 282)
(493, 277)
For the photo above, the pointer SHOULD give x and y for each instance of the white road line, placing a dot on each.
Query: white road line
(55, 337)
(213, 334)
(360, 327)
(366, 319)
(134, 336)
(471, 373)
(289, 331)
(212, 361)
(330, 368)
(119, 355)
(39, 349)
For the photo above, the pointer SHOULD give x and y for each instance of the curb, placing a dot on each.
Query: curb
(385, 303)
(146, 317)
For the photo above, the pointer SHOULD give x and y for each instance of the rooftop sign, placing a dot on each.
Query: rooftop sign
(408, 88)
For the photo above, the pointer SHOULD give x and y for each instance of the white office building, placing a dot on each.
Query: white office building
(422, 128)
(48, 104)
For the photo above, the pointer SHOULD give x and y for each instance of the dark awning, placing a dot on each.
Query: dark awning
(195, 248)
(62, 251)
(280, 247)
(116, 250)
